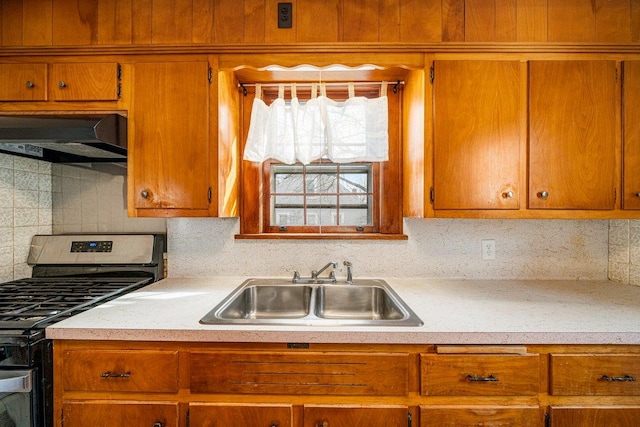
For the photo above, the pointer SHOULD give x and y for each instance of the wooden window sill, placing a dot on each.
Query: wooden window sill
(325, 236)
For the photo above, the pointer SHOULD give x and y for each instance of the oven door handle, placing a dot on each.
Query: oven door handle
(16, 381)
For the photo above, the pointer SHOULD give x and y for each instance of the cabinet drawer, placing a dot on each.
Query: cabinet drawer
(84, 82)
(329, 373)
(592, 374)
(113, 413)
(479, 375)
(247, 415)
(149, 371)
(23, 82)
(479, 415)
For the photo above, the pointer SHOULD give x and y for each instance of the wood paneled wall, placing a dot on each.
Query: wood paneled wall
(32, 23)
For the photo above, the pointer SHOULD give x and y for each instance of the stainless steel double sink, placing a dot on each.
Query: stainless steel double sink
(366, 302)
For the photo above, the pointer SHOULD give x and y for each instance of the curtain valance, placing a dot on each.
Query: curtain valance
(355, 130)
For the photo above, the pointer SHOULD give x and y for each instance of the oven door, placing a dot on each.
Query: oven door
(16, 398)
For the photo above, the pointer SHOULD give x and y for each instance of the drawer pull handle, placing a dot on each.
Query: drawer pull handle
(110, 374)
(475, 379)
(612, 379)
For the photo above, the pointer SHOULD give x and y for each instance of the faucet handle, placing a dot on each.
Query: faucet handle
(349, 272)
(296, 276)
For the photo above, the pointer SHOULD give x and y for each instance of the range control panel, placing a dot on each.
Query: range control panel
(92, 246)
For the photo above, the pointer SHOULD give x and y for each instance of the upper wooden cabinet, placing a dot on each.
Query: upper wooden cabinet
(169, 142)
(23, 82)
(573, 149)
(97, 81)
(631, 177)
(477, 128)
(73, 81)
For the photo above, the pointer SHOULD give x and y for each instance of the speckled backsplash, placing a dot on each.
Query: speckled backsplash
(38, 197)
(436, 248)
(624, 251)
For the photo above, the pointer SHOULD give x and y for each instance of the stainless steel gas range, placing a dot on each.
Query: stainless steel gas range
(71, 273)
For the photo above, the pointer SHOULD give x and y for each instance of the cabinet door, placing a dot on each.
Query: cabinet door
(572, 152)
(631, 135)
(92, 414)
(23, 82)
(355, 416)
(245, 415)
(603, 416)
(479, 415)
(169, 146)
(84, 81)
(478, 122)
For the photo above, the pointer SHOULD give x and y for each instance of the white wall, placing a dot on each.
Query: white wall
(436, 248)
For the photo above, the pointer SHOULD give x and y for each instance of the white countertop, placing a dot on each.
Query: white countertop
(453, 311)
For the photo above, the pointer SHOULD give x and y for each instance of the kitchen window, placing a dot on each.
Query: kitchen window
(324, 199)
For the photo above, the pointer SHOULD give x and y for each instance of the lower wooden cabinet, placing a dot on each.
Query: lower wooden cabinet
(186, 384)
(246, 415)
(595, 416)
(116, 413)
(351, 416)
(479, 415)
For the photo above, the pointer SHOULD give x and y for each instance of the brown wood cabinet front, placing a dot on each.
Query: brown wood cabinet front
(97, 81)
(23, 82)
(479, 375)
(595, 416)
(631, 180)
(124, 414)
(241, 414)
(131, 371)
(477, 127)
(312, 373)
(572, 137)
(595, 375)
(479, 415)
(356, 416)
(169, 146)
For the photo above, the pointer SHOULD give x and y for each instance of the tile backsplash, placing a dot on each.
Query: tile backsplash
(41, 197)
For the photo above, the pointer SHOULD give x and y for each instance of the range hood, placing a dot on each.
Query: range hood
(66, 139)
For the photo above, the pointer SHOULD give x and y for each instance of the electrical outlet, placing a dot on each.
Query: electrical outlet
(488, 249)
(285, 15)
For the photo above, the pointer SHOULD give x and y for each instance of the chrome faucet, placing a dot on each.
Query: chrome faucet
(315, 274)
(349, 273)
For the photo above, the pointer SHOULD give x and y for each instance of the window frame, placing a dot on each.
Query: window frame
(387, 177)
(319, 229)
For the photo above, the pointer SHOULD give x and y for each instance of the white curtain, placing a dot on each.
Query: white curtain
(355, 130)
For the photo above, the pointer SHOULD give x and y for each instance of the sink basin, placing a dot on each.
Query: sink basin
(357, 302)
(369, 302)
(268, 302)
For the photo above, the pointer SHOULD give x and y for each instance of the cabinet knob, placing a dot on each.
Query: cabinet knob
(62, 84)
(544, 195)
(30, 84)
(507, 195)
(144, 194)
(322, 424)
(637, 194)
(158, 424)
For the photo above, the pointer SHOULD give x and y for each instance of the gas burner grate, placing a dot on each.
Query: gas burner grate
(32, 302)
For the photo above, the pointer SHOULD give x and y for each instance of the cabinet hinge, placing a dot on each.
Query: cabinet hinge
(62, 417)
(188, 419)
(209, 194)
(432, 74)
(409, 419)
(547, 420)
(210, 76)
(615, 195)
(119, 86)
(432, 195)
